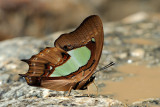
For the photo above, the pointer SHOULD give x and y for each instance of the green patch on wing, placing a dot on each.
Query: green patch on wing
(79, 57)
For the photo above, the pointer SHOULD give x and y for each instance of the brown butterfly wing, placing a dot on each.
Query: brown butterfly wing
(58, 84)
(90, 28)
(39, 65)
(39, 71)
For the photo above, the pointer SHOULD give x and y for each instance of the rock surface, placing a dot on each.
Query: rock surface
(124, 43)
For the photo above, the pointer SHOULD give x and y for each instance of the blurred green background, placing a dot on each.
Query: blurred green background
(40, 18)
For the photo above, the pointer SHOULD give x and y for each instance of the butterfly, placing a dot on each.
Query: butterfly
(72, 62)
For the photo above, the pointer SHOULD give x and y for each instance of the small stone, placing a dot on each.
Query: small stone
(137, 17)
(129, 61)
(46, 93)
(139, 53)
(122, 55)
(4, 78)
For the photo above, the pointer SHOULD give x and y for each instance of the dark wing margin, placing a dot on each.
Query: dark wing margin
(88, 29)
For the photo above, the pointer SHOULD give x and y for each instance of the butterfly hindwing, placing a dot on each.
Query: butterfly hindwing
(71, 62)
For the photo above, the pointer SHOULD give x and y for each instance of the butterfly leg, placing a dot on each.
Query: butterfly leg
(88, 92)
(69, 91)
(96, 88)
(64, 93)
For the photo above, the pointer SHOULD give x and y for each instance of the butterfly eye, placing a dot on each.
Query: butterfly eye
(41, 54)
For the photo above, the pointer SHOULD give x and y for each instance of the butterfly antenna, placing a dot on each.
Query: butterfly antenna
(105, 67)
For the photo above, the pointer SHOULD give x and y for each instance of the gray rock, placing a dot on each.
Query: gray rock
(22, 47)
(14, 90)
(21, 95)
(151, 102)
(4, 78)
(61, 101)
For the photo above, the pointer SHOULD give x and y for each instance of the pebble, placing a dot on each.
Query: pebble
(4, 78)
(122, 55)
(139, 53)
(129, 61)
(46, 93)
(137, 17)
